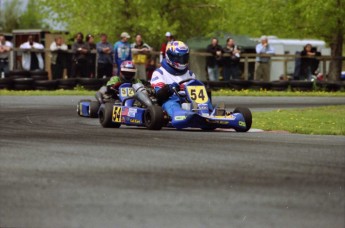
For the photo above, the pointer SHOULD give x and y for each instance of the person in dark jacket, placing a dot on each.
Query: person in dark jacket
(90, 40)
(213, 62)
(309, 63)
(80, 51)
(231, 62)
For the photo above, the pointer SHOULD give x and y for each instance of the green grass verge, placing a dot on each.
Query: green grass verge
(222, 92)
(326, 120)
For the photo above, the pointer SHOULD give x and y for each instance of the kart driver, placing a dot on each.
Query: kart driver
(174, 69)
(110, 91)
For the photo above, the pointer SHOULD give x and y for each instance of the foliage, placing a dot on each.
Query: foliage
(327, 120)
(13, 17)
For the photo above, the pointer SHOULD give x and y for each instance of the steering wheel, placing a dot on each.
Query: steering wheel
(186, 80)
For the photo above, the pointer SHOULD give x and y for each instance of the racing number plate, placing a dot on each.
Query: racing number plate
(117, 114)
(127, 92)
(198, 94)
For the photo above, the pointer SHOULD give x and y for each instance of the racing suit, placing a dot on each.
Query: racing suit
(167, 75)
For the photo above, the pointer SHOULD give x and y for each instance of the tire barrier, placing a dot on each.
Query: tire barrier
(90, 83)
(23, 83)
(6, 83)
(68, 84)
(45, 84)
(301, 85)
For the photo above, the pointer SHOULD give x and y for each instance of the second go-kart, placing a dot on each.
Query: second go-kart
(136, 107)
(198, 112)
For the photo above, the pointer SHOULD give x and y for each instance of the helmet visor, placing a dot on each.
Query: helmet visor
(127, 75)
(181, 59)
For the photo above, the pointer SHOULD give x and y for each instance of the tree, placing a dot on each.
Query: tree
(12, 17)
(151, 18)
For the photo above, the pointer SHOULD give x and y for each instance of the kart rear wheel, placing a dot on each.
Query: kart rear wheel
(78, 106)
(93, 109)
(247, 115)
(154, 117)
(105, 116)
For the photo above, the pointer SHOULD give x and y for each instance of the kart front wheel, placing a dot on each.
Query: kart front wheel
(105, 116)
(93, 109)
(154, 117)
(247, 115)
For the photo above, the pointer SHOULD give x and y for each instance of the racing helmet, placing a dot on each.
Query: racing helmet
(177, 55)
(127, 70)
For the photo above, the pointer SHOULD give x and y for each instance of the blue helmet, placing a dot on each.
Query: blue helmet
(177, 55)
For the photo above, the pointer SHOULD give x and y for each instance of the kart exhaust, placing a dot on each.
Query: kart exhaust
(142, 95)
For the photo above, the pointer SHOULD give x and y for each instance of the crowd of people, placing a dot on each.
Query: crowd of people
(84, 55)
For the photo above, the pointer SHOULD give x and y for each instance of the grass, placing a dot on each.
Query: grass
(326, 120)
(222, 92)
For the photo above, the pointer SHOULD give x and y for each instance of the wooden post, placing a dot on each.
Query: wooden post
(246, 65)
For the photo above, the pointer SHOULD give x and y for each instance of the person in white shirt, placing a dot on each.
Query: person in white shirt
(31, 57)
(5, 48)
(58, 58)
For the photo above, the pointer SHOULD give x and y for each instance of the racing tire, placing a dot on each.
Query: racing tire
(45, 84)
(105, 116)
(247, 114)
(6, 83)
(154, 117)
(93, 109)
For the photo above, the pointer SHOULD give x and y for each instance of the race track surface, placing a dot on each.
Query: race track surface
(61, 170)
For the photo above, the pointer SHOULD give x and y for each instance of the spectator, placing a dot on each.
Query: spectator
(263, 69)
(5, 48)
(213, 62)
(105, 57)
(309, 63)
(58, 57)
(169, 38)
(122, 50)
(90, 40)
(231, 63)
(80, 50)
(140, 52)
(31, 58)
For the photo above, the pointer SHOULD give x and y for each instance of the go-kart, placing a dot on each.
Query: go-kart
(198, 112)
(136, 106)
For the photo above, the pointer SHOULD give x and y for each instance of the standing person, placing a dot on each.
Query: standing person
(231, 63)
(5, 48)
(309, 63)
(122, 50)
(169, 38)
(31, 57)
(58, 57)
(90, 40)
(105, 57)
(140, 52)
(80, 51)
(213, 62)
(263, 69)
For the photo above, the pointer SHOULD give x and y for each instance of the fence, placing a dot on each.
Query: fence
(198, 66)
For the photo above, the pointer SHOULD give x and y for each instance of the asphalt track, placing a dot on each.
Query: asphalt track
(61, 170)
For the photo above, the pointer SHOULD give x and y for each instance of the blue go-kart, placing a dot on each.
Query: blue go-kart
(88, 108)
(198, 112)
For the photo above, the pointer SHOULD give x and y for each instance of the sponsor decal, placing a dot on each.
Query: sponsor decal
(132, 112)
(242, 123)
(178, 118)
(135, 121)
